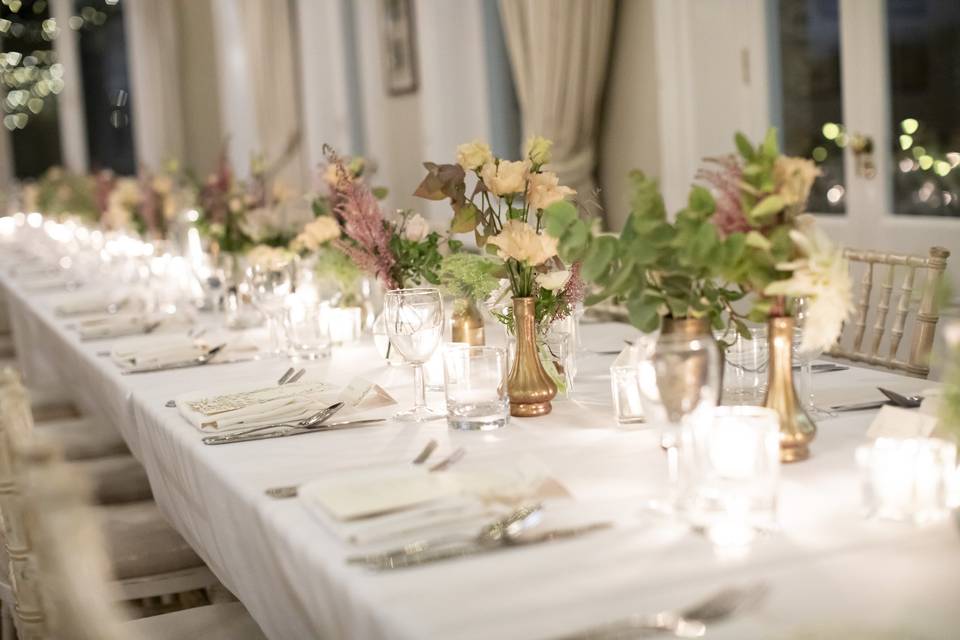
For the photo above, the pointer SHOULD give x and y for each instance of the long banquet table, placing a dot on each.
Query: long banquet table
(831, 573)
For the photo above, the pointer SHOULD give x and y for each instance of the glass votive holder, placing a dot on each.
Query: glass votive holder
(745, 368)
(628, 373)
(475, 384)
(345, 325)
(907, 479)
(306, 324)
(730, 472)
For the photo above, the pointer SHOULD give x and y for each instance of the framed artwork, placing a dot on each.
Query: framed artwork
(399, 46)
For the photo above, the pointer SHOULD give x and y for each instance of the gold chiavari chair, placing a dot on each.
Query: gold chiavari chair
(907, 285)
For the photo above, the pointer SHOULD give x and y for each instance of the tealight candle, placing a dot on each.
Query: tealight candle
(732, 467)
(907, 479)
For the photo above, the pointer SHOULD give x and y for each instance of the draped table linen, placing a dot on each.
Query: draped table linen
(829, 569)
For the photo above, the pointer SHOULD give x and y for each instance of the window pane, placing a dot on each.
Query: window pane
(925, 93)
(106, 86)
(31, 81)
(810, 93)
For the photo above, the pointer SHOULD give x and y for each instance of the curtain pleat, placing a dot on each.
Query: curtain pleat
(558, 53)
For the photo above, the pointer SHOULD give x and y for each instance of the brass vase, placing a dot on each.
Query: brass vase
(466, 324)
(797, 430)
(528, 385)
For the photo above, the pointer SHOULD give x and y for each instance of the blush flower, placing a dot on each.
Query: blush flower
(505, 178)
(543, 189)
(521, 242)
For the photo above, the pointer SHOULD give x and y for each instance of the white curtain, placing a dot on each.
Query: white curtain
(257, 51)
(155, 81)
(559, 52)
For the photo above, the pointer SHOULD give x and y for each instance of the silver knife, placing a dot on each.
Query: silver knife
(471, 549)
(229, 438)
(196, 362)
(862, 406)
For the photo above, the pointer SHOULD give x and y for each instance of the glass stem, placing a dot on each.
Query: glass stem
(420, 389)
(806, 377)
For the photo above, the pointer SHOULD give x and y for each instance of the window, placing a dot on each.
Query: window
(924, 59)
(106, 85)
(810, 93)
(32, 78)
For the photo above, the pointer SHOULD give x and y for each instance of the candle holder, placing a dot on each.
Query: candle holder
(907, 479)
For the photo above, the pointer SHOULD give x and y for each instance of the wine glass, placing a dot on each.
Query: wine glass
(269, 287)
(805, 358)
(679, 383)
(414, 323)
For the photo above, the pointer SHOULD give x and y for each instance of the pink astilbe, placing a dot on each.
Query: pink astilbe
(729, 216)
(215, 196)
(103, 185)
(572, 293)
(151, 213)
(368, 243)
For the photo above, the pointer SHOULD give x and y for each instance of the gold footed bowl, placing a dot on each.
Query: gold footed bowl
(528, 385)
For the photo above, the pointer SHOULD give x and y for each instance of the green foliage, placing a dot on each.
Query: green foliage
(335, 265)
(417, 261)
(468, 275)
(656, 267)
(62, 193)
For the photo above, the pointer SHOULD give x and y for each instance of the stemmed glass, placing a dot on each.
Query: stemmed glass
(679, 380)
(414, 323)
(269, 286)
(805, 359)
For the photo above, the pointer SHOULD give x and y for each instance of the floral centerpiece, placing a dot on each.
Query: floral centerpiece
(746, 236)
(62, 194)
(504, 210)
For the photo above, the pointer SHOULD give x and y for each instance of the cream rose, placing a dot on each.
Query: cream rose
(793, 178)
(520, 241)
(316, 233)
(473, 155)
(162, 184)
(416, 228)
(505, 178)
(271, 258)
(538, 149)
(543, 189)
(554, 280)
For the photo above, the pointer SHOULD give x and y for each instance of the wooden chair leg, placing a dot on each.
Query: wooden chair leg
(7, 631)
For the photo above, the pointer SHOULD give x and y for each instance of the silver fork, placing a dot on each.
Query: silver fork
(287, 377)
(687, 623)
(291, 490)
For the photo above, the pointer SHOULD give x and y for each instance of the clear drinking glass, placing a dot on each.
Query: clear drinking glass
(805, 359)
(269, 287)
(731, 467)
(679, 381)
(907, 479)
(414, 323)
(475, 383)
(745, 368)
(306, 324)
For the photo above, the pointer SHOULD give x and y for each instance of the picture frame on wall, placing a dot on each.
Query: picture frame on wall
(399, 46)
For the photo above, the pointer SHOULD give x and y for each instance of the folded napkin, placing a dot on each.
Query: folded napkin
(168, 350)
(251, 407)
(362, 494)
(96, 302)
(120, 325)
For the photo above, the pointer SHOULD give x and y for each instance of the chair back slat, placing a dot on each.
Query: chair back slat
(903, 310)
(922, 329)
(883, 309)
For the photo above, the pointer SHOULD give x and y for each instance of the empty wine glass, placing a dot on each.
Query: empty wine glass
(679, 381)
(414, 323)
(270, 284)
(805, 358)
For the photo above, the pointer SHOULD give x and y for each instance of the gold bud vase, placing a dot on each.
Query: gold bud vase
(466, 324)
(797, 430)
(528, 385)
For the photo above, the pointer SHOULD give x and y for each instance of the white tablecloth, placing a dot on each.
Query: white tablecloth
(830, 571)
